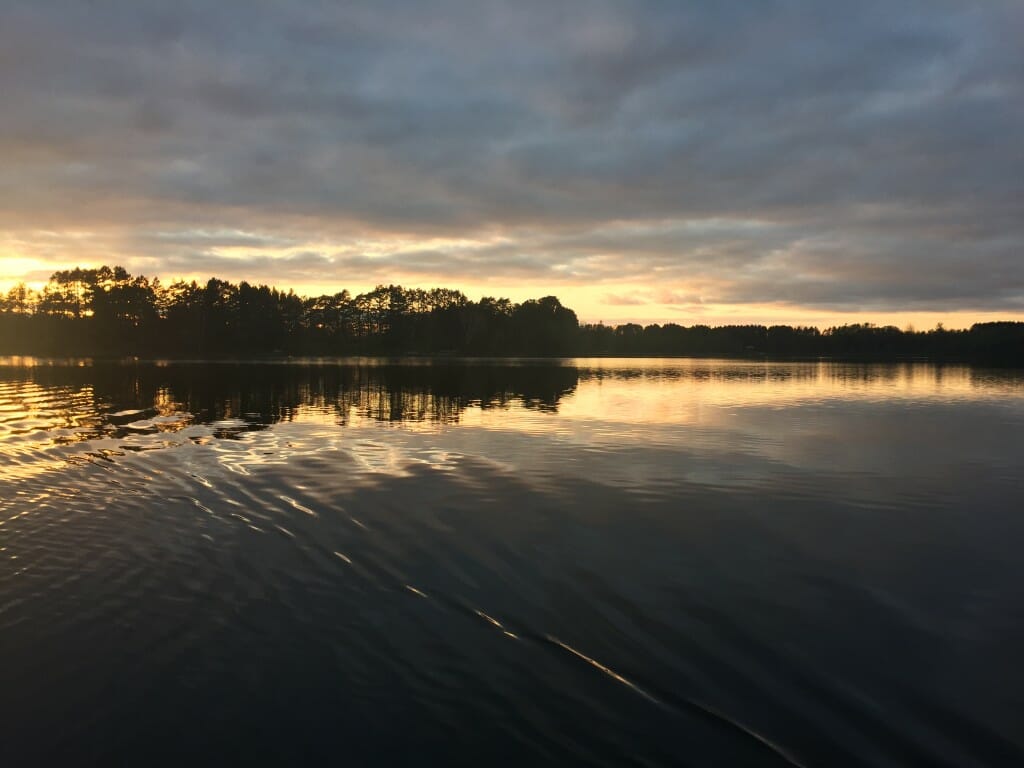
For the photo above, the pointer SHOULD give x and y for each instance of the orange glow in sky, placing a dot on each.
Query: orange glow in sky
(690, 163)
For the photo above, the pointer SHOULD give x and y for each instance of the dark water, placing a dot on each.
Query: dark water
(584, 562)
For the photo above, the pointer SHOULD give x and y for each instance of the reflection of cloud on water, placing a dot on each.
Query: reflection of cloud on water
(670, 536)
(631, 423)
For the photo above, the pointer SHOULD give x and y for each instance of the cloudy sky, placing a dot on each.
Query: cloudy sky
(768, 160)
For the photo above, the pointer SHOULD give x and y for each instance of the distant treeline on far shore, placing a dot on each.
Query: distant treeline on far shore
(109, 312)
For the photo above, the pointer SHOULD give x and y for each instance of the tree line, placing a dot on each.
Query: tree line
(109, 312)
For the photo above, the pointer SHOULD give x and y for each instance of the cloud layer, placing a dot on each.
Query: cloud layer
(817, 154)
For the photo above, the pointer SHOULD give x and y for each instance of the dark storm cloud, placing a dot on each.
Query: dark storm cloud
(820, 153)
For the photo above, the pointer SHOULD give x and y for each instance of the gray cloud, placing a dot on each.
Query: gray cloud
(825, 154)
(631, 299)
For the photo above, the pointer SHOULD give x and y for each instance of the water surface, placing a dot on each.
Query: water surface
(594, 562)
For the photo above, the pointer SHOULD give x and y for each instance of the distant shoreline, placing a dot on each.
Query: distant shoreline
(21, 360)
(109, 313)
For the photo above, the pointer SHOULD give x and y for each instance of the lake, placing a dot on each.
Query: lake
(590, 562)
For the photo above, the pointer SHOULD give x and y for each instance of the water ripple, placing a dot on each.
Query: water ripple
(666, 564)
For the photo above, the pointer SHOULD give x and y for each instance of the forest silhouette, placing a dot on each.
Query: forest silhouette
(109, 312)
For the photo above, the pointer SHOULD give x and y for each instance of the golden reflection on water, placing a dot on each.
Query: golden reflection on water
(660, 392)
(766, 487)
(744, 384)
(44, 408)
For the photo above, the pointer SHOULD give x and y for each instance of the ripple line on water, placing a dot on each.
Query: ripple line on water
(293, 503)
(701, 708)
(598, 665)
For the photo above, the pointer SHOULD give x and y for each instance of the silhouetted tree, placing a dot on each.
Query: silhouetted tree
(107, 311)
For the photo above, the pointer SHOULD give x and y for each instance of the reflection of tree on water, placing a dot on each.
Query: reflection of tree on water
(236, 398)
(442, 392)
(714, 372)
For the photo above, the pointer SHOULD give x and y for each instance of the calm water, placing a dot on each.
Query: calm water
(583, 562)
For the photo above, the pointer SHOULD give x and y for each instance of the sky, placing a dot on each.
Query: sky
(815, 162)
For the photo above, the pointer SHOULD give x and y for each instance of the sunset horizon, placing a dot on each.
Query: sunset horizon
(792, 163)
(515, 383)
(625, 307)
